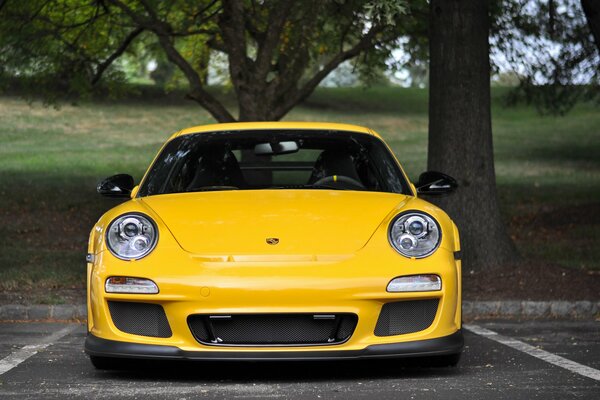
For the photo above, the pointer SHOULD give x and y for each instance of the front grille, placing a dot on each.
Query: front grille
(142, 319)
(406, 317)
(272, 329)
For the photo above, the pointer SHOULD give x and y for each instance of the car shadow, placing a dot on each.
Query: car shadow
(278, 371)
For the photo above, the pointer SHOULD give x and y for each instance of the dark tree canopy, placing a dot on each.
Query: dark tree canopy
(550, 47)
(545, 47)
(278, 50)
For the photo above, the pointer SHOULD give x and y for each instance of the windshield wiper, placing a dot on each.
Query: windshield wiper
(329, 187)
(213, 188)
(299, 186)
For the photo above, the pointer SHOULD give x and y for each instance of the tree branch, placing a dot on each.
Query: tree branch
(149, 9)
(195, 32)
(233, 33)
(27, 18)
(209, 16)
(135, 17)
(257, 35)
(198, 93)
(215, 44)
(117, 53)
(277, 18)
(164, 33)
(301, 94)
(204, 9)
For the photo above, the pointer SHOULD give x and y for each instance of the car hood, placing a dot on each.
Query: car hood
(304, 221)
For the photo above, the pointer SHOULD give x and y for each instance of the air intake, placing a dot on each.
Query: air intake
(272, 329)
(406, 317)
(142, 319)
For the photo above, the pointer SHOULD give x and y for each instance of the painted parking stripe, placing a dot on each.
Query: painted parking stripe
(535, 352)
(18, 356)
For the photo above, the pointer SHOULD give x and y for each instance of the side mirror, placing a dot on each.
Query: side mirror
(119, 185)
(435, 183)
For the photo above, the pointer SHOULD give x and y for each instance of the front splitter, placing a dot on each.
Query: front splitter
(446, 345)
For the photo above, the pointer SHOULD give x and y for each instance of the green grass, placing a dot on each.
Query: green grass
(548, 171)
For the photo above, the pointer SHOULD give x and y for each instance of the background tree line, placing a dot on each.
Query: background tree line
(279, 51)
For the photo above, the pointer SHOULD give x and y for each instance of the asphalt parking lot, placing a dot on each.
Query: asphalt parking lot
(546, 359)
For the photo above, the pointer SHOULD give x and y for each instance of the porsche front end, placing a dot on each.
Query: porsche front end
(275, 272)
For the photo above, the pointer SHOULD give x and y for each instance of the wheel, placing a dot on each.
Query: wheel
(104, 363)
(450, 360)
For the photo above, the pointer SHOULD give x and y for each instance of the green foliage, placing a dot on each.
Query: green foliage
(545, 47)
(66, 48)
(63, 48)
(549, 46)
(52, 45)
(385, 11)
(70, 48)
(51, 160)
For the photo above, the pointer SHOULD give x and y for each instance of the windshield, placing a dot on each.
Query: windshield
(280, 159)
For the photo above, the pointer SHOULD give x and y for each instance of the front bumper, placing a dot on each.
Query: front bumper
(352, 284)
(447, 345)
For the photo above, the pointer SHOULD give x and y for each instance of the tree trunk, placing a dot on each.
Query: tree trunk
(253, 106)
(460, 131)
(251, 109)
(591, 9)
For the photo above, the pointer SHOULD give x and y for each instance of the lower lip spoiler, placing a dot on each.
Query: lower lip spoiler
(446, 345)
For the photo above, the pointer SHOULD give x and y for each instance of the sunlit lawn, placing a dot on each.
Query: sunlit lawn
(51, 159)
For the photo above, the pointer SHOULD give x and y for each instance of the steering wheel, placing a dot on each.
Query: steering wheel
(334, 179)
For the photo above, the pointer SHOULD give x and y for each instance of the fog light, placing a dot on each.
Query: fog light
(124, 284)
(415, 283)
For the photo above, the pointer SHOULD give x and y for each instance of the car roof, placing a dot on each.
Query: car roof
(241, 126)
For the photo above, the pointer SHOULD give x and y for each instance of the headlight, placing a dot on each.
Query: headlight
(131, 236)
(415, 234)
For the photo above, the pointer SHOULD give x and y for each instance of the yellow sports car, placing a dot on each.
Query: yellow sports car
(270, 241)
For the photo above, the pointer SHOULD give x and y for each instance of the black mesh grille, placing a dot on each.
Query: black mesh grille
(140, 318)
(272, 329)
(406, 317)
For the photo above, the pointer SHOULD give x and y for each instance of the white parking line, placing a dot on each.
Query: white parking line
(17, 357)
(535, 352)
